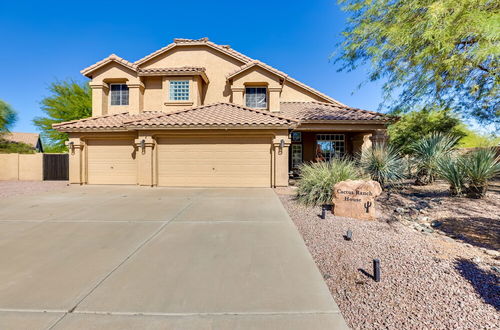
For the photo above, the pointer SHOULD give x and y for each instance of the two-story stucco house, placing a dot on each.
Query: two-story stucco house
(196, 113)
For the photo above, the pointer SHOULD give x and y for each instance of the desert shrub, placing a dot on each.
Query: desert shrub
(317, 179)
(451, 169)
(480, 166)
(427, 153)
(384, 164)
(7, 147)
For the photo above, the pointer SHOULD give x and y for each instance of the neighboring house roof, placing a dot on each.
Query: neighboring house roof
(319, 111)
(107, 122)
(30, 139)
(223, 115)
(109, 59)
(215, 115)
(180, 71)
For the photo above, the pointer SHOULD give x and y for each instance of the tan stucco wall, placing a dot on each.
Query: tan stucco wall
(25, 167)
(151, 93)
(147, 159)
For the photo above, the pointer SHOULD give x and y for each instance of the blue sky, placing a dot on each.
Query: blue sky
(44, 41)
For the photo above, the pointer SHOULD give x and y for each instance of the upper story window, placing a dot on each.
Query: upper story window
(256, 97)
(119, 94)
(179, 90)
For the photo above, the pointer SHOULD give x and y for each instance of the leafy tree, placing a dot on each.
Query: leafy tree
(474, 140)
(417, 124)
(69, 100)
(431, 52)
(7, 117)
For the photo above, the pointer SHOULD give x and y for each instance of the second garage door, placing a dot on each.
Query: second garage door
(111, 162)
(214, 162)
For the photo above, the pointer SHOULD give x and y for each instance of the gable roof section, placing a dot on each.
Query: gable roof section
(217, 115)
(180, 71)
(30, 139)
(109, 59)
(114, 122)
(283, 75)
(226, 49)
(319, 111)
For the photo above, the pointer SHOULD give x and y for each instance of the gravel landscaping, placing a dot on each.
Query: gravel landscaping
(13, 188)
(432, 275)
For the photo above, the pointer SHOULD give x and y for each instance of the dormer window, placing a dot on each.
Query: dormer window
(256, 97)
(179, 90)
(119, 94)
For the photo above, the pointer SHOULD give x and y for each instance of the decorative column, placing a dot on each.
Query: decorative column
(274, 99)
(281, 145)
(76, 159)
(379, 137)
(145, 145)
(360, 142)
(99, 98)
(135, 91)
(237, 95)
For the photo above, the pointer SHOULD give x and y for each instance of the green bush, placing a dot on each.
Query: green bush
(383, 163)
(428, 152)
(317, 179)
(480, 166)
(452, 170)
(7, 147)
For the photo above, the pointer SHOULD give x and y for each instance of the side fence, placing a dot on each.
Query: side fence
(33, 167)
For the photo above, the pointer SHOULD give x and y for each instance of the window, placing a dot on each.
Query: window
(296, 155)
(256, 97)
(329, 146)
(179, 90)
(119, 94)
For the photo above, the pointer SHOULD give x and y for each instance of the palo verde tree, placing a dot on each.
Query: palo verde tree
(69, 100)
(441, 53)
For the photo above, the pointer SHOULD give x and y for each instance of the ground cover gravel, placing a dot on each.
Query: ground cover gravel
(429, 279)
(13, 188)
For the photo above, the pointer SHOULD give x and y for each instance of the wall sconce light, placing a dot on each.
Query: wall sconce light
(282, 144)
(71, 146)
(143, 145)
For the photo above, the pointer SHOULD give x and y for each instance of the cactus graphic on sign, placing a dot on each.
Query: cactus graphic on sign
(367, 206)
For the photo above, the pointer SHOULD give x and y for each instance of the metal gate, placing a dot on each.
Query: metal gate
(55, 166)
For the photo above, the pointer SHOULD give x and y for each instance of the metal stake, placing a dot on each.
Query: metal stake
(348, 236)
(376, 270)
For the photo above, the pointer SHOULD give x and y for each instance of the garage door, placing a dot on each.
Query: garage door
(111, 162)
(214, 162)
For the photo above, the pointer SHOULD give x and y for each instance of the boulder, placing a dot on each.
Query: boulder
(355, 199)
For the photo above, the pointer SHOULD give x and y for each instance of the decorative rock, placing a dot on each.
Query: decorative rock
(399, 210)
(492, 253)
(355, 199)
(495, 269)
(477, 260)
(424, 219)
(436, 224)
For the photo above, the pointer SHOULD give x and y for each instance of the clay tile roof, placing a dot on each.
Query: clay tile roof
(313, 111)
(107, 122)
(110, 58)
(27, 138)
(184, 69)
(214, 115)
(202, 41)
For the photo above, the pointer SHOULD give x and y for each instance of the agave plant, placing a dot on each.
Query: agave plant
(384, 164)
(317, 179)
(480, 166)
(452, 170)
(428, 151)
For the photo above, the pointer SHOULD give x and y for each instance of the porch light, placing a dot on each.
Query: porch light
(282, 144)
(143, 145)
(71, 146)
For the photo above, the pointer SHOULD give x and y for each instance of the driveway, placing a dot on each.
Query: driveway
(119, 257)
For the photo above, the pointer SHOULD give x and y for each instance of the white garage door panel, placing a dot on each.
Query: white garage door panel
(111, 162)
(215, 162)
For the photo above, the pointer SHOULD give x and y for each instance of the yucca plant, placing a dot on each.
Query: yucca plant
(384, 164)
(480, 166)
(317, 179)
(428, 151)
(451, 169)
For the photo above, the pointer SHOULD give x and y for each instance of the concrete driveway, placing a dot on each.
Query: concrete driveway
(112, 257)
